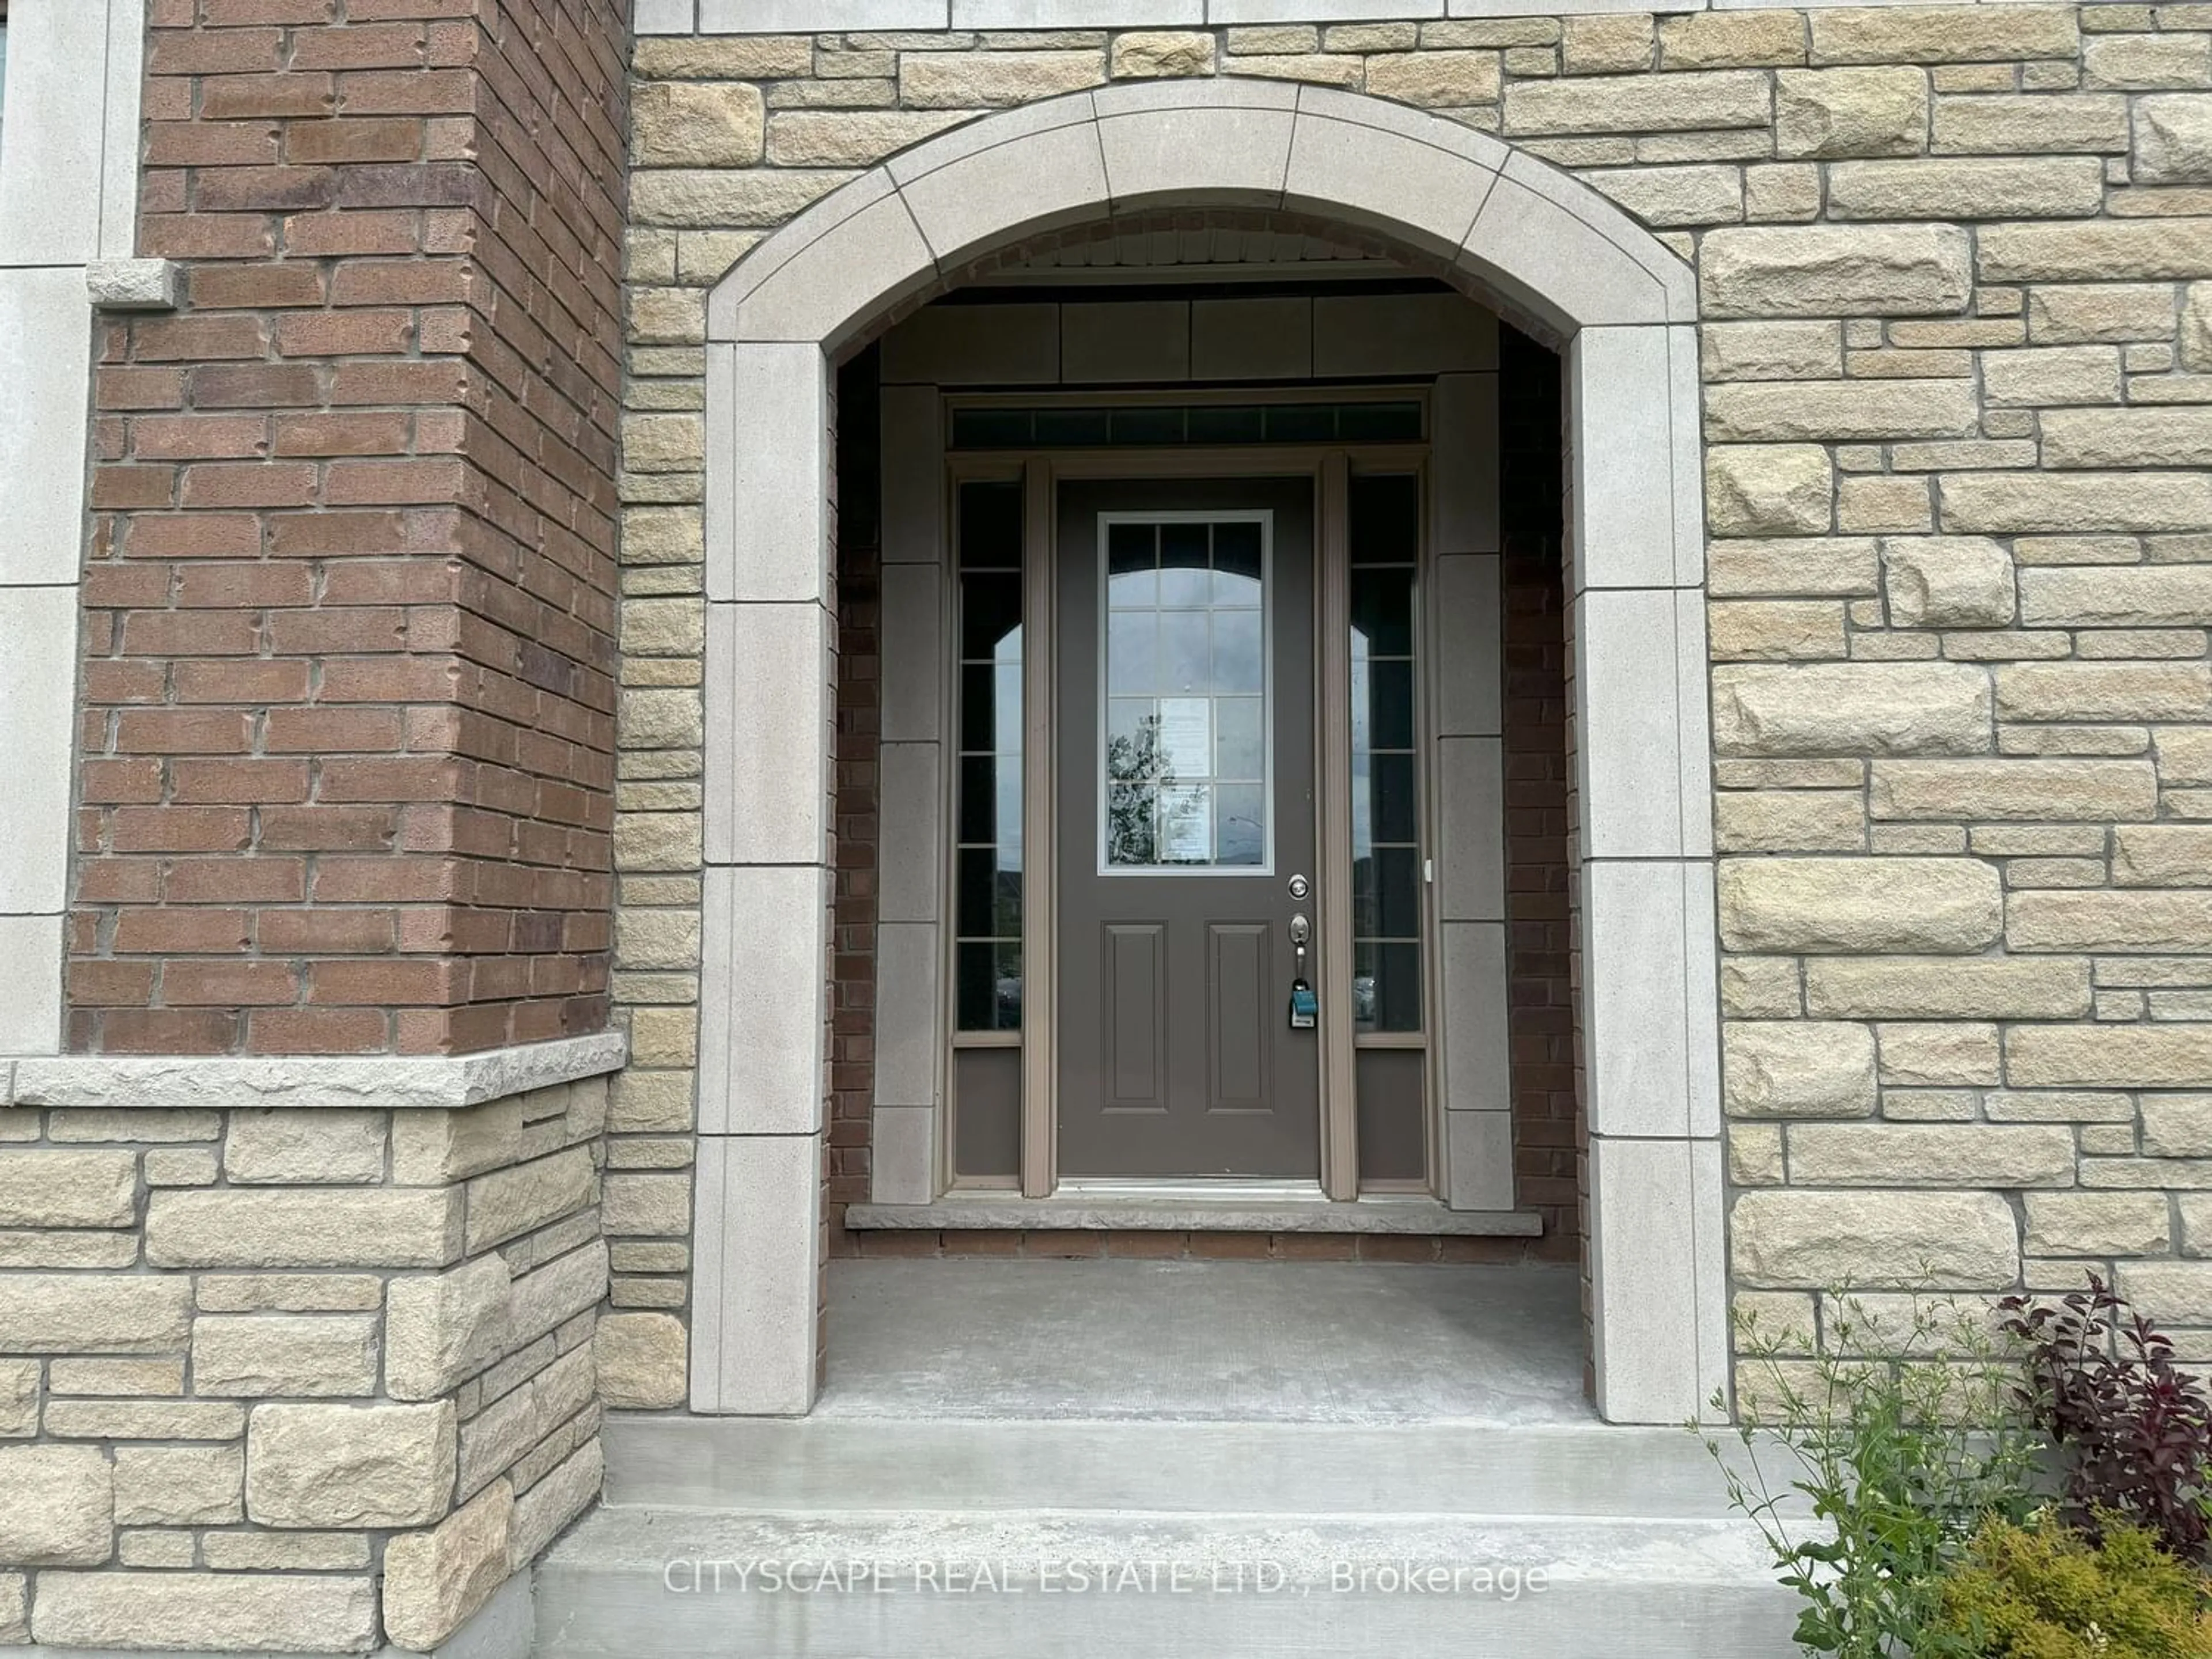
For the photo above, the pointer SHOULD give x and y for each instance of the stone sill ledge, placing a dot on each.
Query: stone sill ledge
(1413, 1216)
(230, 1082)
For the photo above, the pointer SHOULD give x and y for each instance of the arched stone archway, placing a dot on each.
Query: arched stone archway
(1511, 230)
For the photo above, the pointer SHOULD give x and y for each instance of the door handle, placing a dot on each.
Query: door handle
(1305, 1007)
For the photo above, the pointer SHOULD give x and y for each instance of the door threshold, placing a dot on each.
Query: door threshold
(1212, 1207)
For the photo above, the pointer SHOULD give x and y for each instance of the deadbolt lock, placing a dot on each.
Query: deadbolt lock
(1300, 887)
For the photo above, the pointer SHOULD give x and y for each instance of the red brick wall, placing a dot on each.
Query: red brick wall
(859, 703)
(1540, 925)
(349, 724)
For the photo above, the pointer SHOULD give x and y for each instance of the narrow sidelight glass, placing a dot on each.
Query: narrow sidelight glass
(987, 863)
(1384, 526)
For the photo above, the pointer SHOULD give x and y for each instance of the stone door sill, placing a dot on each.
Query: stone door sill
(1416, 1217)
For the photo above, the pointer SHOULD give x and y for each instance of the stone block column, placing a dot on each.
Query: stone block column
(303, 1377)
(1643, 752)
(765, 964)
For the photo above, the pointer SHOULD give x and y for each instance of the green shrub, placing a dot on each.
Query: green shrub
(1870, 1463)
(2043, 1591)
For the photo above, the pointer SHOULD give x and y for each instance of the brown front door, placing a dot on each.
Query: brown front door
(1185, 798)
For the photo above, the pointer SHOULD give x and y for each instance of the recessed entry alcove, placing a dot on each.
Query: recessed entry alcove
(1236, 550)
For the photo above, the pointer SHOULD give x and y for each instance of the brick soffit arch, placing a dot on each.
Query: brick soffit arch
(1514, 233)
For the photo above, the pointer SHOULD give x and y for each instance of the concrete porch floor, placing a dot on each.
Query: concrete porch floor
(1203, 1341)
(1344, 1424)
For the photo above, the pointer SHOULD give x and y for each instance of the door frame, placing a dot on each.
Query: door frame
(1331, 467)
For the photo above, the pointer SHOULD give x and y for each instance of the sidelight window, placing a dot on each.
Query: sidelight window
(1184, 751)
(1386, 841)
(988, 813)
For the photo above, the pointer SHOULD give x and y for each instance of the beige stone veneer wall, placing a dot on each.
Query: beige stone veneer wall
(1956, 278)
(251, 1361)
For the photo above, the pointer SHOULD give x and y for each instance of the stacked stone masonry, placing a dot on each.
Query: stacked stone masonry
(1955, 278)
(292, 1380)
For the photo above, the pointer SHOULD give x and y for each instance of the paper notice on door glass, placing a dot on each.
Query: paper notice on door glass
(1186, 738)
(1187, 825)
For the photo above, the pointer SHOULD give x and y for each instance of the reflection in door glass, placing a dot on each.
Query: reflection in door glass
(1185, 760)
(987, 856)
(1386, 851)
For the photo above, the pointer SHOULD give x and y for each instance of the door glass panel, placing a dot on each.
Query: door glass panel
(1133, 653)
(1184, 770)
(1243, 829)
(987, 859)
(1238, 742)
(1183, 668)
(1237, 662)
(1384, 526)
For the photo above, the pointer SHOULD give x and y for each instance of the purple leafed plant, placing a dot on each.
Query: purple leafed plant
(2134, 1432)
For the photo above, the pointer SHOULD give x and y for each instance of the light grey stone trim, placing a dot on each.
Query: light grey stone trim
(1653, 1070)
(914, 641)
(1477, 1069)
(1479, 1162)
(1507, 226)
(768, 451)
(69, 197)
(69, 176)
(134, 284)
(756, 1251)
(832, 16)
(912, 773)
(1467, 771)
(37, 690)
(1643, 747)
(1466, 586)
(763, 976)
(768, 694)
(1658, 1278)
(1644, 761)
(1411, 1216)
(903, 1155)
(908, 1046)
(386, 1082)
(910, 852)
(1629, 428)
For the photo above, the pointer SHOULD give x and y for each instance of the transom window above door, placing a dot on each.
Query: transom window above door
(1183, 745)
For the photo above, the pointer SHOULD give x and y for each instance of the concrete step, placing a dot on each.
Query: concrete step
(1032, 1584)
(806, 1465)
(933, 1538)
